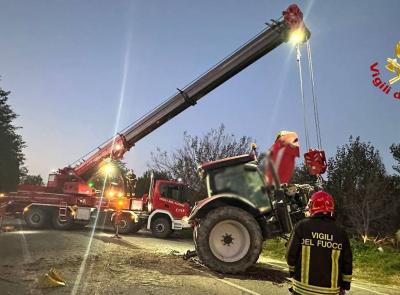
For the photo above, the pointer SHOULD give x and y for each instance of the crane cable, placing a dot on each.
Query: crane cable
(315, 103)
(319, 181)
(314, 98)
(298, 57)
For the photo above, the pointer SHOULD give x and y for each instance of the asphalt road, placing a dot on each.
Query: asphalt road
(137, 264)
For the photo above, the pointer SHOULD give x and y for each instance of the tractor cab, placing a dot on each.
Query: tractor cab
(238, 176)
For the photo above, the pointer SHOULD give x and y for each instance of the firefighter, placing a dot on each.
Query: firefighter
(318, 253)
(117, 222)
(131, 182)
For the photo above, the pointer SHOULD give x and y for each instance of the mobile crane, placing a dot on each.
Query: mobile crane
(68, 199)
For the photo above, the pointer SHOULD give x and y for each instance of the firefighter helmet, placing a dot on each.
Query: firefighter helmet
(321, 202)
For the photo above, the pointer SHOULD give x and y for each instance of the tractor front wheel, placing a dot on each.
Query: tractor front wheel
(228, 240)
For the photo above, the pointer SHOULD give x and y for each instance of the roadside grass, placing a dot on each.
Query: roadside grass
(370, 264)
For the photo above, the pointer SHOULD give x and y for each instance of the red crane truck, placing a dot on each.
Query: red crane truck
(68, 199)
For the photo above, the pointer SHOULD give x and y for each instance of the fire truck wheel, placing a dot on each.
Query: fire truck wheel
(126, 225)
(228, 240)
(161, 227)
(36, 218)
(62, 223)
(137, 226)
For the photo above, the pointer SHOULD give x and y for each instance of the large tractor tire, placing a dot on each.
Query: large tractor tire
(228, 240)
(126, 225)
(36, 218)
(161, 227)
(59, 224)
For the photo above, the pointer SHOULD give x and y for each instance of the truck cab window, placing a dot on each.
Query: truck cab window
(175, 193)
(171, 192)
(164, 190)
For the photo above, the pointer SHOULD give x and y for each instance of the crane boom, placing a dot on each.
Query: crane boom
(270, 38)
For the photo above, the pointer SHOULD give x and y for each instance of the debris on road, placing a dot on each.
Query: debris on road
(189, 254)
(54, 278)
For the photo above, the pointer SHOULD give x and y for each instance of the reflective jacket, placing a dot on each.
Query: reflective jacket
(319, 257)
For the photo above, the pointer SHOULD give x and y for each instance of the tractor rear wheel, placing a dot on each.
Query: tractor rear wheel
(36, 218)
(228, 240)
(161, 227)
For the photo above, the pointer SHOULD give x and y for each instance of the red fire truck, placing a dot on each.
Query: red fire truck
(68, 199)
(162, 210)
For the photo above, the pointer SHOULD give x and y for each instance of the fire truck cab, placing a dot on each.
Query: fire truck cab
(161, 211)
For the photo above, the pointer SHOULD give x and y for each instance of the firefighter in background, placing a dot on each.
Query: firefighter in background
(2, 213)
(130, 183)
(318, 253)
(117, 217)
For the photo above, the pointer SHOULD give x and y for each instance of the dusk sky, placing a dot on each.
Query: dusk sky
(65, 63)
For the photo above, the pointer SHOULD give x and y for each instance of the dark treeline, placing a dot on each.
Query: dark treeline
(12, 158)
(366, 195)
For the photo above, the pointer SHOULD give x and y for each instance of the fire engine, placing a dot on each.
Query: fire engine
(161, 210)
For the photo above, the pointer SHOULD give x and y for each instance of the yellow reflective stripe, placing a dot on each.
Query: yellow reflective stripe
(346, 278)
(316, 288)
(305, 263)
(303, 291)
(335, 268)
(291, 268)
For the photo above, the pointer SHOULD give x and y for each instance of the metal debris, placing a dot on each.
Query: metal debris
(54, 278)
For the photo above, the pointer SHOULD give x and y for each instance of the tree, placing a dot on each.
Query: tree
(184, 161)
(32, 179)
(302, 176)
(11, 155)
(395, 150)
(143, 182)
(361, 188)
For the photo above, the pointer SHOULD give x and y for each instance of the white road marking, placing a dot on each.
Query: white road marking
(236, 286)
(24, 244)
(369, 290)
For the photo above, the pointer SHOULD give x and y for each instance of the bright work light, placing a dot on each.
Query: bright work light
(108, 169)
(297, 36)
